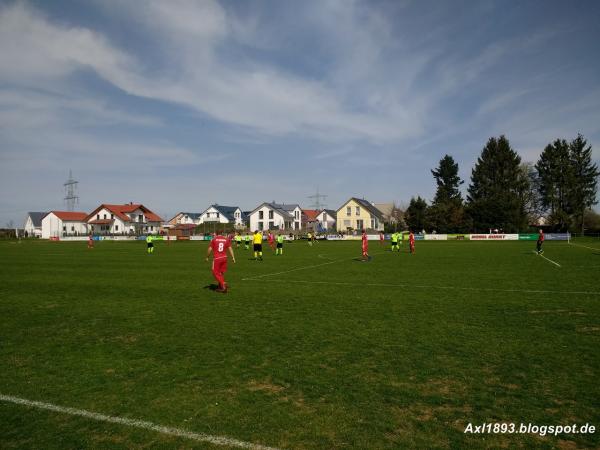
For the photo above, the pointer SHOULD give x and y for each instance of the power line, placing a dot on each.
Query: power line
(70, 186)
(317, 200)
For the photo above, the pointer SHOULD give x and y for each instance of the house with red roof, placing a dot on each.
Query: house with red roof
(309, 219)
(57, 224)
(129, 219)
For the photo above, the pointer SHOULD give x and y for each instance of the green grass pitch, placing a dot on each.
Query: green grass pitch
(400, 352)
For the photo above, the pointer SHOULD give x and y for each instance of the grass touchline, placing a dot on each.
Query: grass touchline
(201, 437)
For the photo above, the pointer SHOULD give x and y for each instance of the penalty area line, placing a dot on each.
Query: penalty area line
(417, 286)
(178, 432)
(584, 246)
(547, 259)
(257, 277)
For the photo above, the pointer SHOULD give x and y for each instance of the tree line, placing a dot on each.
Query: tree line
(506, 194)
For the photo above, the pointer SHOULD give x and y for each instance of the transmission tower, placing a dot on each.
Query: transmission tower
(317, 200)
(71, 199)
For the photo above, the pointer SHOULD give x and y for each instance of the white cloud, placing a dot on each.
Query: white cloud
(256, 95)
(25, 109)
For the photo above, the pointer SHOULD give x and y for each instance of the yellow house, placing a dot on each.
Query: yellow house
(357, 214)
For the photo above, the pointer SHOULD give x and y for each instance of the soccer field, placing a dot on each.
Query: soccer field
(310, 350)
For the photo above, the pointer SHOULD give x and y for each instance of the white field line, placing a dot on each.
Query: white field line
(302, 268)
(201, 437)
(584, 246)
(418, 286)
(547, 259)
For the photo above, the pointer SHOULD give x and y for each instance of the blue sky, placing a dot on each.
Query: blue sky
(179, 104)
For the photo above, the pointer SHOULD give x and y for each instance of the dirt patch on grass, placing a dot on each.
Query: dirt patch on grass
(443, 387)
(558, 311)
(281, 393)
(127, 339)
(17, 361)
(566, 445)
(265, 386)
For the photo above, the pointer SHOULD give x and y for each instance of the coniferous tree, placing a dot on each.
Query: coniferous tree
(494, 199)
(415, 215)
(584, 183)
(531, 196)
(555, 178)
(446, 213)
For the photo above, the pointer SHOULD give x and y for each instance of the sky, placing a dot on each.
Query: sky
(180, 104)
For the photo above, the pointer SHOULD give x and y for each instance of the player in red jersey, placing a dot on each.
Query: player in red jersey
(365, 247)
(540, 241)
(219, 246)
(90, 241)
(411, 242)
(271, 240)
(381, 237)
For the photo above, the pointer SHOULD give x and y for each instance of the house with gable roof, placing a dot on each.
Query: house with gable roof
(326, 220)
(57, 224)
(358, 214)
(130, 218)
(185, 218)
(276, 216)
(232, 215)
(33, 224)
(309, 219)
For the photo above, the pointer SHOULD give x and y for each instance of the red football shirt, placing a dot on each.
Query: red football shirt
(219, 246)
(411, 238)
(541, 237)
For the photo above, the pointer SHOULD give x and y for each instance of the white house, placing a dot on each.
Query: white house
(57, 224)
(232, 215)
(326, 220)
(272, 216)
(185, 218)
(33, 224)
(130, 218)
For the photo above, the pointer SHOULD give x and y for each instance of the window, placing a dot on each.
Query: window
(104, 216)
(358, 210)
(270, 214)
(346, 223)
(296, 214)
(217, 215)
(348, 210)
(271, 225)
(64, 228)
(112, 216)
(116, 227)
(261, 215)
(72, 227)
(97, 216)
(260, 225)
